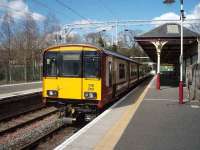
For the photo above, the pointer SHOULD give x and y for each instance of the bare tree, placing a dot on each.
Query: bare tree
(73, 38)
(6, 40)
(29, 36)
(126, 38)
(98, 38)
(51, 25)
(127, 45)
(92, 38)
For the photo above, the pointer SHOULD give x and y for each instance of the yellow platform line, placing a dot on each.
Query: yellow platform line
(113, 135)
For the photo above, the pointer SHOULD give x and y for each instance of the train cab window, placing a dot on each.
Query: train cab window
(91, 64)
(121, 71)
(50, 64)
(70, 64)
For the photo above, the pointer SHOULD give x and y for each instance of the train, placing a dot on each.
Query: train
(85, 78)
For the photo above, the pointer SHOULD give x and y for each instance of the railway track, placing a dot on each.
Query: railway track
(39, 129)
(17, 105)
(24, 121)
(20, 121)
(25, 130)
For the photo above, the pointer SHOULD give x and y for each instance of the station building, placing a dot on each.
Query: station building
(162, 44)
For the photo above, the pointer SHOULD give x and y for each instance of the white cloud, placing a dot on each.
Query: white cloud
(18, 9)
(83, 22)
(194, 14)
(38, 17)
(168, 16)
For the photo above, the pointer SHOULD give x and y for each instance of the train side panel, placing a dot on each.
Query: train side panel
(133, 73)
(121, 72)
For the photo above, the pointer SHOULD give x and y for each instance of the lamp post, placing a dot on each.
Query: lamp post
(181, 57)
(181, 54)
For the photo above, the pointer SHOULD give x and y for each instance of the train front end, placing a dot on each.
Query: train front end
(72, 76)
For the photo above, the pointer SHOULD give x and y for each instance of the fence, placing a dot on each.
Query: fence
(17, 74)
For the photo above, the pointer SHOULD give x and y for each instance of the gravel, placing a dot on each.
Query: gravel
(31, 133)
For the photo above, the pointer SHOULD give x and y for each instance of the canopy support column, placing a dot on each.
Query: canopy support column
(158, 45)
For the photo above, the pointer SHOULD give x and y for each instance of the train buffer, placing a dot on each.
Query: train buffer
(145, 119)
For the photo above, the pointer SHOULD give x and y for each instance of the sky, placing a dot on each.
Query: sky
(80, 11)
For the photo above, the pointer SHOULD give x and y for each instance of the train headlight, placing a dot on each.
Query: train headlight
(90, 95)
(52, 93)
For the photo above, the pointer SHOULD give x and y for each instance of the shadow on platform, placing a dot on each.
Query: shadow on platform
(168, 81)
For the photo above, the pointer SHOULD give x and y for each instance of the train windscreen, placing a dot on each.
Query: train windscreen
(50, 64)
(91, 64)
(70, 64)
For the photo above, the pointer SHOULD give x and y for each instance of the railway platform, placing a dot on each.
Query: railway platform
(145, 119)
(11, 90)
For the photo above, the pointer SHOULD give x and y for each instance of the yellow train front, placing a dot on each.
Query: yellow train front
(71, 75)
(85, 78)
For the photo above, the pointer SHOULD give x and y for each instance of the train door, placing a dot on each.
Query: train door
(70, 74)
(91, 81)
(110, 77)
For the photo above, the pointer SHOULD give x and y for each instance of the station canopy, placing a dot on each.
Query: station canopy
(170, 32)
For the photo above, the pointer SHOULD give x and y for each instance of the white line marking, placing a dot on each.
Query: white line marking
(153, 99)
(152, 81)
(12, 94)
(92, 123)
(194, 106)
(7, 85)
(172, 100)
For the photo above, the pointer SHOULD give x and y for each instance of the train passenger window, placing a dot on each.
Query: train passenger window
(121, 71)
(91, 63)
(50, 64)
(70, 64)
(133, 70)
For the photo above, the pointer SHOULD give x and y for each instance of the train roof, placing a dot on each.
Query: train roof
(108, 52)
(118, 55)
(64, 45)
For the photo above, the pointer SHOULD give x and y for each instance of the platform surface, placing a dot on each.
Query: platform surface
(161, 123)
(146, 119)
(11, 90)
